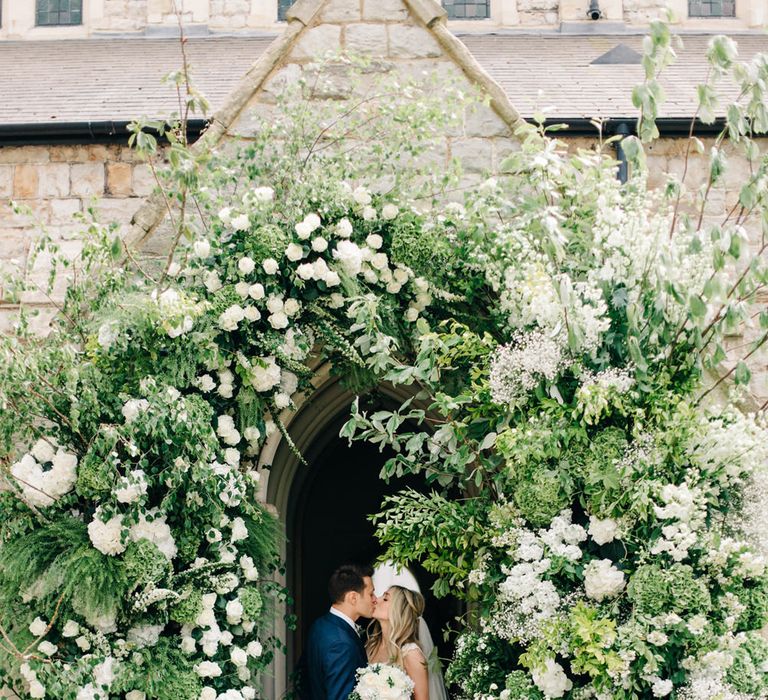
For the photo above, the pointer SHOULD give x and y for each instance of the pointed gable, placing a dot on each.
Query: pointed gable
(407, 36)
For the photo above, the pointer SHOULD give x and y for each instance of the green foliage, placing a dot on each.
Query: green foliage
(479, 664)
(540, 496)
(56, 562)
(443, 535)
(97, 471)
(747, 674)
(162, 672)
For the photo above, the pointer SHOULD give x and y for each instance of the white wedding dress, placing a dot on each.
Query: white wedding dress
(387, 575)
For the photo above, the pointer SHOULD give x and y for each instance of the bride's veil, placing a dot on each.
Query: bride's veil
(388, 574)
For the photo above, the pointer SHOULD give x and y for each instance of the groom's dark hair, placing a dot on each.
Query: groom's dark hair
(348, 577)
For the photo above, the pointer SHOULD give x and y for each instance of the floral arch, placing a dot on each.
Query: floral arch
(549, 339)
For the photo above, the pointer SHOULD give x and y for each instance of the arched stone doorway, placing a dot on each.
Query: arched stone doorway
(323, 506)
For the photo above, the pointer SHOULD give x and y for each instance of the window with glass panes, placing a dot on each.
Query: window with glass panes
(282, 8)
(711, 8)
(57, 12)
(467, 9)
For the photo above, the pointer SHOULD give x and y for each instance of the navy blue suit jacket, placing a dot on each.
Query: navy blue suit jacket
(334, 652)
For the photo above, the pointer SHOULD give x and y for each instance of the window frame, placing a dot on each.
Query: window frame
(58, 11)
(710, 3)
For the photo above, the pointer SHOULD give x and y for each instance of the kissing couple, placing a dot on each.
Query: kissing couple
(397, 634)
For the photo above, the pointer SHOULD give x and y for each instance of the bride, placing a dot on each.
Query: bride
(393, 636)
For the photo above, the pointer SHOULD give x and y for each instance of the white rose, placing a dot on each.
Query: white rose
(206, 383)
(394, 287)
(274, 304)
(71, 629)
(412, 314)
(212, 281)
(188, 645)
(344, 228)
(241, 223)
(238, 656)
(270, 266)
(256, 291)
(136, 695)
(254, 649)
(208, 669)
(239, 530)
(278, 320)
(374, 241)
(305, 271)
(234, 611)
(252, 314)
(389, 212)
(361, 196)
(282, 400)
(207, 693)
(303, 231)
(225, 215)
(246, 265)
(332, 279)
(248, 692)
(379, 261)
(201, 248)
(336, 300)
(83, 643)
(231, 317)
(47, 648)
(294, 252)
(369, 214)
(38, 626)
(312, 221)
(319, 244)
(291, 306)
(263, 194)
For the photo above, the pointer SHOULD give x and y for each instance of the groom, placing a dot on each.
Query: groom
(334, 648)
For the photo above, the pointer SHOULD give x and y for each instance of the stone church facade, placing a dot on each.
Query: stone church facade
(72, 88)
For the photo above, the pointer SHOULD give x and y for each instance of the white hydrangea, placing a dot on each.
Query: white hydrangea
(106, 536)
(350, 257)
(42, 487)
(131, 487)
(602, 579)
(551, 680)
(602, 531)
(154, 528)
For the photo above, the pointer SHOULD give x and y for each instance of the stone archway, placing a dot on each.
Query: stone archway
(300, 493)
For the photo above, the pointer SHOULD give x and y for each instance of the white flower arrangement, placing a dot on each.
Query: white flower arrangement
(382, 682)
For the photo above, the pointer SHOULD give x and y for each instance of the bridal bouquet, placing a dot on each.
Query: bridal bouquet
(382, 682)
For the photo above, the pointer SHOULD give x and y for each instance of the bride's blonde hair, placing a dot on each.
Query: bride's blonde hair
(405, 609)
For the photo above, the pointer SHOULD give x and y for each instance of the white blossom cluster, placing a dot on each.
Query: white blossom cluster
(687, 509)
(519, 367)
(46, 473)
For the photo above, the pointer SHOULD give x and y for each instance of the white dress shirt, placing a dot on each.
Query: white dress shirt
(348, 620)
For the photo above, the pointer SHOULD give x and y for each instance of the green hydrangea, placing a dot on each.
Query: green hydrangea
(251, 601)
(169, 675)
(655, 590)
(540, 497)
(97, 472)
(269, 241)
(520, 687)
(187, 610)
(145, 563)
(426, 251)
(754, 596)
(747, 674)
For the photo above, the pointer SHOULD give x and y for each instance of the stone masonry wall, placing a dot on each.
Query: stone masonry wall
(56, 183)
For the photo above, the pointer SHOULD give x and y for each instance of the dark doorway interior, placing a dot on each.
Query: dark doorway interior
(328, 525)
